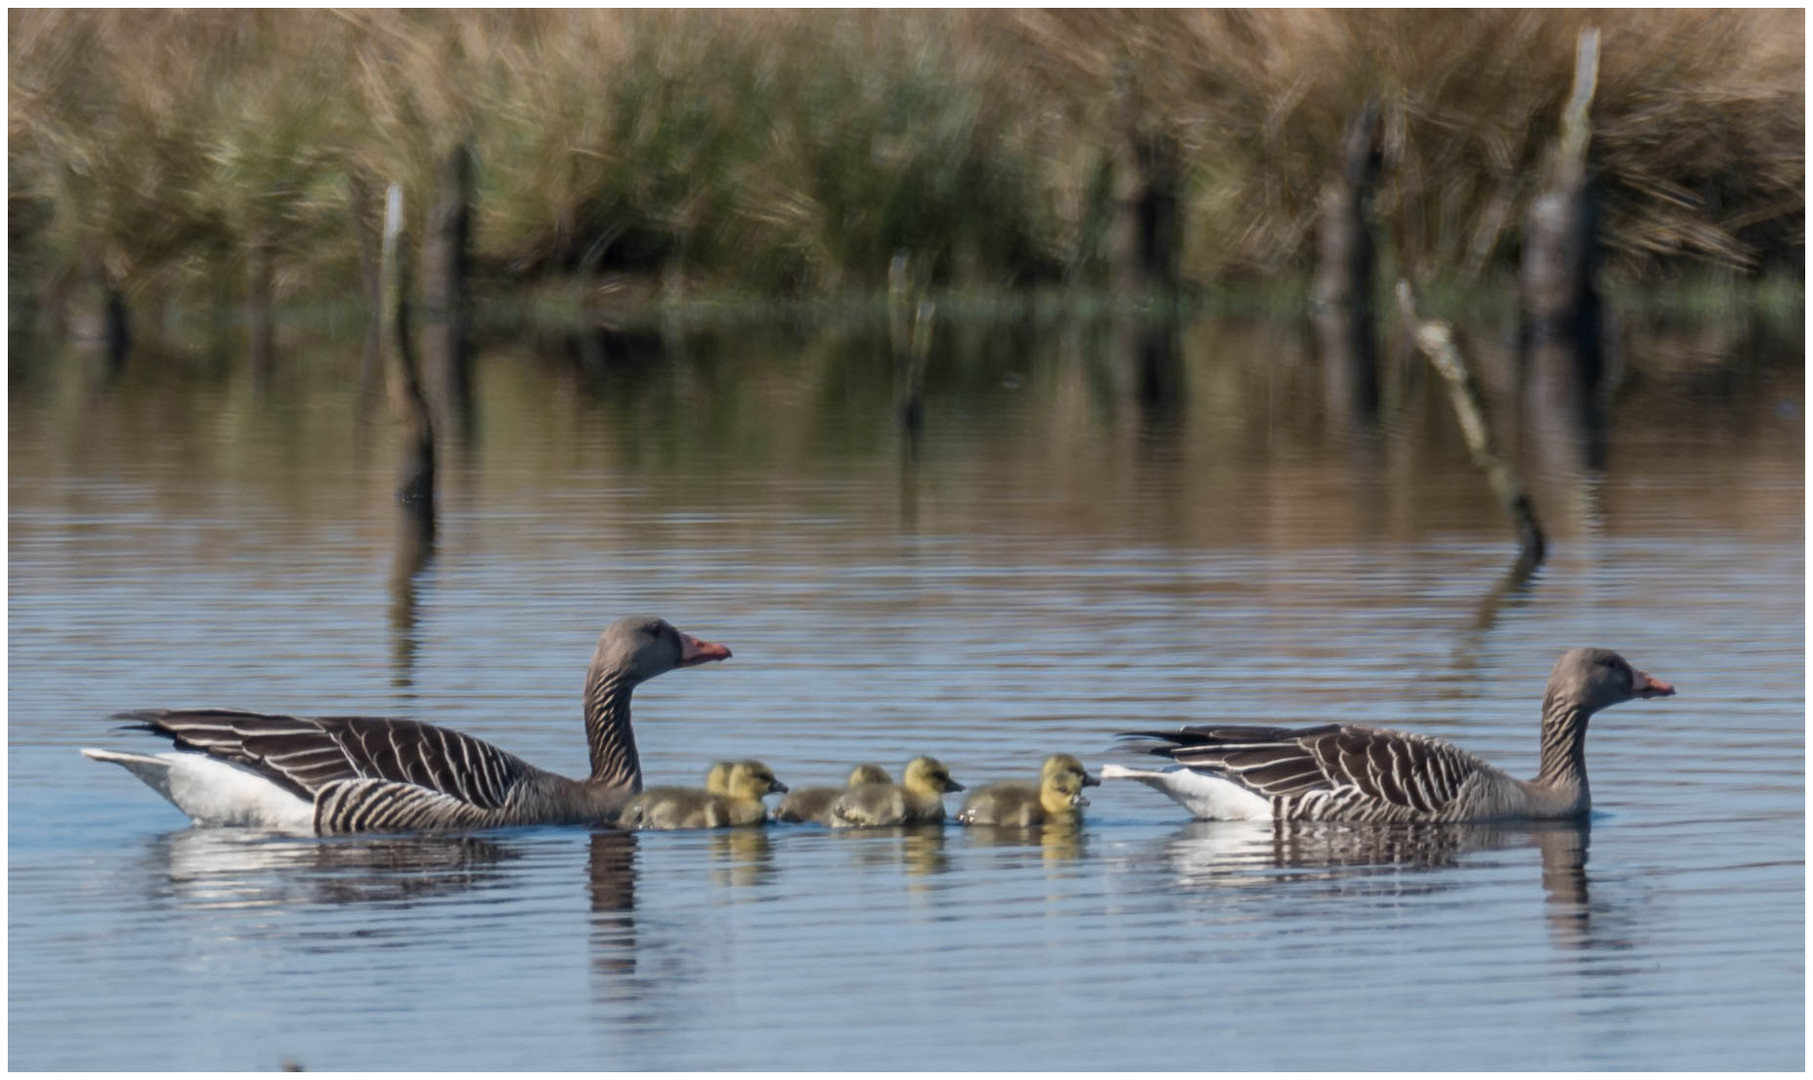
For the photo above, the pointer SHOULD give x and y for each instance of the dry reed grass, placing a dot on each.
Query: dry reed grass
(796, 151)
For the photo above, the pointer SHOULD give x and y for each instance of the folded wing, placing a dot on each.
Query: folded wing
(1336, 761)
(306, 754)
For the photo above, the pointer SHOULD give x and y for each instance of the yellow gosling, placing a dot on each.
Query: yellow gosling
(1057, 797)
(918, 799)
(739, 802)
(814, 803)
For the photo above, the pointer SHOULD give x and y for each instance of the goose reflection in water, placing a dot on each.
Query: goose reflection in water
(1374, 860)
(242, 868)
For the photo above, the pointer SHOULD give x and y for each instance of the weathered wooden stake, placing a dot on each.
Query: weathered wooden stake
(1143, 236)
(1436, 341)
(260, 325)
(1561, 323)
(1344, 272)
(359, 198)
(910, 319)
(415, 487)
(447, 294)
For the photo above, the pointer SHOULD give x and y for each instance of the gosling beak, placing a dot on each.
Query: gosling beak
(777, 786)
(693, 651)
(1646, 687)
(1091, 781)
(954, 786)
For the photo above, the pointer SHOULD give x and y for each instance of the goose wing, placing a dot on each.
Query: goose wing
(1369, 764)
(306, 754)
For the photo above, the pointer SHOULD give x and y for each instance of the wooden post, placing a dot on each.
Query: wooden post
(260, 326)
(1143, 236)
(910, 319)
(1560, 329)
(415, 487)
(1344, 273)
(118, 328)
(446, 294)
(1437, 343)
(359, 199)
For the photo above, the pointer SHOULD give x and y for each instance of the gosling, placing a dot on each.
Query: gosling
(737, 800)
(1057, 797)
(814, 803)
(917, 800)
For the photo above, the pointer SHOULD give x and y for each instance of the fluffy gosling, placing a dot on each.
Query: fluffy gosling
(917, 800)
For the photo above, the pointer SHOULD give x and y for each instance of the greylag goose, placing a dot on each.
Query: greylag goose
(732, 796)
(1341, 772)
(344, 774)
(917, 800)
(814, 803)
(1056, 797)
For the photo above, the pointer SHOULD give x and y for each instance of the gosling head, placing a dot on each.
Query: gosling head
(869, 774)
(751, 780)
(1588, 680)
(641, 647)
(717, 780)
(1065, 763)
(1062, 793)
(929, 774)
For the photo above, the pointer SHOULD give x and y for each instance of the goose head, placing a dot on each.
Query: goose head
(751, 780)
(641, 647)
(929, 775)
(868, 774)
(1588, 680)
(1058, 764)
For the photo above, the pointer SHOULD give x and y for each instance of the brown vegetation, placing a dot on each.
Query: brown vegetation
(796, 152)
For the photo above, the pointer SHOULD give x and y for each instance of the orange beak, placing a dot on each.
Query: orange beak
(693, 651)
(1646, 687)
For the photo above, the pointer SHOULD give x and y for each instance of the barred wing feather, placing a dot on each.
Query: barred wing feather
(1388, 768)
(306, 754)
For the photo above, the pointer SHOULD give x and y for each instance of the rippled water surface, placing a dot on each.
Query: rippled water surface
(1057, 560)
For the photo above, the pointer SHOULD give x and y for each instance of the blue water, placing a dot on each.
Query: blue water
(1054, 567)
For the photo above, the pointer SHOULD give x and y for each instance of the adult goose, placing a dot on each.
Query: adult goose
(1341, 772)
(344, 774)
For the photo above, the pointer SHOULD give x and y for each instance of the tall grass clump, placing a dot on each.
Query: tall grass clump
(795, 153)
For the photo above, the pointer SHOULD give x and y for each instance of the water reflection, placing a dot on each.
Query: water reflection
(1218, 854)
(1056, 842)
(611, 884)
(243, 868)
(919, 849)
(740, 858)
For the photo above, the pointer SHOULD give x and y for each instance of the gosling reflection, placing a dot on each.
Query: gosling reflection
(740, 858)
(243, 868)
(1372, 859)
(919, 849)
(1057, 841)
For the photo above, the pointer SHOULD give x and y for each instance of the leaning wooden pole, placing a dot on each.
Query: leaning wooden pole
(1436, 341)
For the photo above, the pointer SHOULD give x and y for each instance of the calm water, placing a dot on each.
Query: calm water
(1057, 563)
